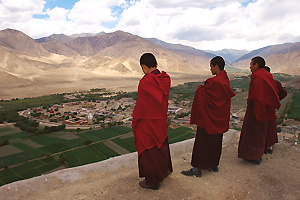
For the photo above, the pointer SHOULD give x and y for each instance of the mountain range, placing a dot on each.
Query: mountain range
(230, 55)
(27, 61)
(280, 58)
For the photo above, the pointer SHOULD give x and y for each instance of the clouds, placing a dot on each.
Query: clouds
(189, 25)
(191, 3)
(93, 11)
(210, 24)
(57, 14)
(215, 24)
(19, 10)
(34, 19)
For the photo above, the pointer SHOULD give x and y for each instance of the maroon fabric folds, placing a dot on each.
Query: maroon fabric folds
(149, 124)
(207, 150)
(211, 105)
(260, 117)
(282, 93)
(253, 136)
(149, 133)
(152, 98)
(263, 93)
(155, 163)
(272, 137)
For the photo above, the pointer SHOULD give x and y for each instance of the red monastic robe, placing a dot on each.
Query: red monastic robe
(282, 93)
(262, 101)
(211, 113)
(211, 105)
(263, 93)
(150, 127)
(149, 122)
(272, 125)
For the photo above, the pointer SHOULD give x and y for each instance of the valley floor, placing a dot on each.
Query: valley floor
(55, 86)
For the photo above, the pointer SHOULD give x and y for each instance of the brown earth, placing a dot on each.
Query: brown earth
(277, 177)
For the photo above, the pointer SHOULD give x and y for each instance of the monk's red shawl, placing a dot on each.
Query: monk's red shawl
(149, 124)
(211, 105)
(263, 93)
(282, 93)
(272, 136)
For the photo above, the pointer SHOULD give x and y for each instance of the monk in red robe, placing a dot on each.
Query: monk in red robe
(211, 113)
(149, 124)
(261, 103)
(272, 136)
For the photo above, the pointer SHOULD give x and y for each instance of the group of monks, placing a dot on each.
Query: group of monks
(210, 112)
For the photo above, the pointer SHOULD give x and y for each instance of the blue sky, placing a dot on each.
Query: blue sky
(203, 24)
(67, 4)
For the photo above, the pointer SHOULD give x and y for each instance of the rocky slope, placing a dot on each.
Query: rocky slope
(283, 58)
(66, 64)
(73, 61)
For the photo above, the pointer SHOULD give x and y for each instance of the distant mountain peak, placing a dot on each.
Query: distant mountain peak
(280, 57)
(86, 34)
(61, 37)
(230, 55)
(180, 48)
(19, 42)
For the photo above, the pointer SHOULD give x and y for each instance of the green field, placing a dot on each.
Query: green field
(5, 129)
(174, 135)
(294, 112)
(37, 155)
(283, 77)
(180, 134)
(16, 136)
(126, 143)
(242, 83)
(240, 99)
(184, 91)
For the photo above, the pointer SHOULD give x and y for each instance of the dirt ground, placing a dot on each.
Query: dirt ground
(277, 177)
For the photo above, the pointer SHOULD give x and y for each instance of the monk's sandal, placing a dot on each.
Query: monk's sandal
(192, 172)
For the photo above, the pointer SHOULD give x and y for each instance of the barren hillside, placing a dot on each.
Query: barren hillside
(284, 58)
(60, 63)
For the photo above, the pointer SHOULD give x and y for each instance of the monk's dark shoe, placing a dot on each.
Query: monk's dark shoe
(270, 151)
(143, 184)
(254, 161)
(258, 161)
(215, 169)
(192, 172)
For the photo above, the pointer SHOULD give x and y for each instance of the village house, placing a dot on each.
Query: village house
(69, 96)
(88, 105)
(67, 107)
(118, 117)
(87, 113)
(173, 109)
(184, 120)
